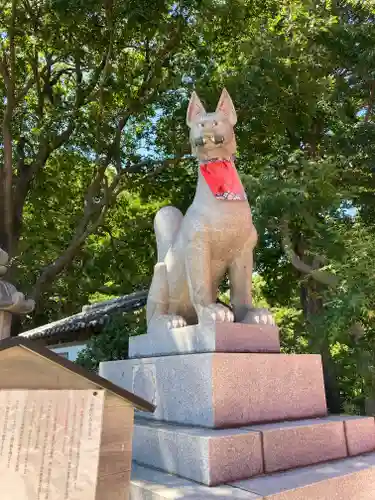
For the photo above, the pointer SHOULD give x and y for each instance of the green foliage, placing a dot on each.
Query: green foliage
(303, 80)
(117, 260)
(301, 74)
(289, 319)
(82, 85)
(112, 342)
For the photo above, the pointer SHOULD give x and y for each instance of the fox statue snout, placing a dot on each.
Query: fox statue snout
(215, 139)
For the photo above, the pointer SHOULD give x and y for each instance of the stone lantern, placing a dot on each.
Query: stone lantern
(11, 301)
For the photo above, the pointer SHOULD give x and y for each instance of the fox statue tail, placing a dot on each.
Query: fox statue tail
(166, 225)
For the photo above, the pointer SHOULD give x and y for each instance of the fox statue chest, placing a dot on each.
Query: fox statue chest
(223, 212)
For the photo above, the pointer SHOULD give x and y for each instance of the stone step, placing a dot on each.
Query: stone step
(217, 456)
(287, 445)
(207, 456)
(217, 337)
(346, 479)
(220, 390)
(151, 484)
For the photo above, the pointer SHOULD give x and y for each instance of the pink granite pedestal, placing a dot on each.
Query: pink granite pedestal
(214, 337)
(230, 406)
(221, 390)
(213, 456)
(345, 479)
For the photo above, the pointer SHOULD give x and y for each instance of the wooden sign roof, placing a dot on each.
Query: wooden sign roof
(51, 371)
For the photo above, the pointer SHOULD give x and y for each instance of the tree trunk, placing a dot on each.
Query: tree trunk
(3, 233)
(312, 306)
(16, 325)
(3, 238)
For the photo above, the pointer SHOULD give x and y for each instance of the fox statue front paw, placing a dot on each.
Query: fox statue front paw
(215, 312)
(175, 321)
(259, 316)
(166, 322)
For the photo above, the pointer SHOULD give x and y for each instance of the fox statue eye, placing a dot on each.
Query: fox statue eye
(201, 125)
(214, 123)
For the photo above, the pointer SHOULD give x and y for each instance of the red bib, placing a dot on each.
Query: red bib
(223, 180)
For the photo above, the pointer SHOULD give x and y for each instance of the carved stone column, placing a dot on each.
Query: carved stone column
(11, 301)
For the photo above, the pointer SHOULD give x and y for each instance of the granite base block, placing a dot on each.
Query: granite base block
(151, 484)
(305, 442)
(220, 390)
(218, 337)
(208, 456)
(347, 479)
(217, 456)
(360, 435)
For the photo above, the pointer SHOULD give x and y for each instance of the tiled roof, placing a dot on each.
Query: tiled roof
(91, 316)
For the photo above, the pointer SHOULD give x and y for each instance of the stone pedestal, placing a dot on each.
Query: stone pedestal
(346, 479)
(231, 407)
(225, 389)
(217, 337)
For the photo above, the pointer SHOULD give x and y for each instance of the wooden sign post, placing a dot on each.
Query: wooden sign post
(65, 434)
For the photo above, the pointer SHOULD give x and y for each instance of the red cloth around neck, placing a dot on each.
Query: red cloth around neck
(223, 180)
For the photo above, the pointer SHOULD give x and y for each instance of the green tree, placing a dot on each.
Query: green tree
(113, 341)
(301, 75)
(81, 82)
(93, 108)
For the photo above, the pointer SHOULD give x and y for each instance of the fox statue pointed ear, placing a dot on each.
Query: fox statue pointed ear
(195, 109)
(225, 106)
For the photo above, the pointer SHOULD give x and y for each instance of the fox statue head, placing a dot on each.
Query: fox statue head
(211, 134)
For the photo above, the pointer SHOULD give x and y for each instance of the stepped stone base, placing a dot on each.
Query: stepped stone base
(212, 456)
(346, 479)
(225, 389)
(208, 456)
(226, 415)
(305, 442)
(217, 337)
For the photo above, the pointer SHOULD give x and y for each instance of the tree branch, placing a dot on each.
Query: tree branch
(94, 214)
(100, 195)
(95, 210)
(7, 179)
(34, 66)
(317, 274)
(370, 104)
(52, 270)
(144, 96)
(9, 75)
(12, 45)
(4, 72)
(47, 144)
(23, 93)
(139, 167)
(28, 173)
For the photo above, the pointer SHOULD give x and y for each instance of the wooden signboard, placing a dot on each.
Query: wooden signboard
(65, 434)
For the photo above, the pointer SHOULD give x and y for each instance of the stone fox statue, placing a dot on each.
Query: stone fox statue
(216, 234)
